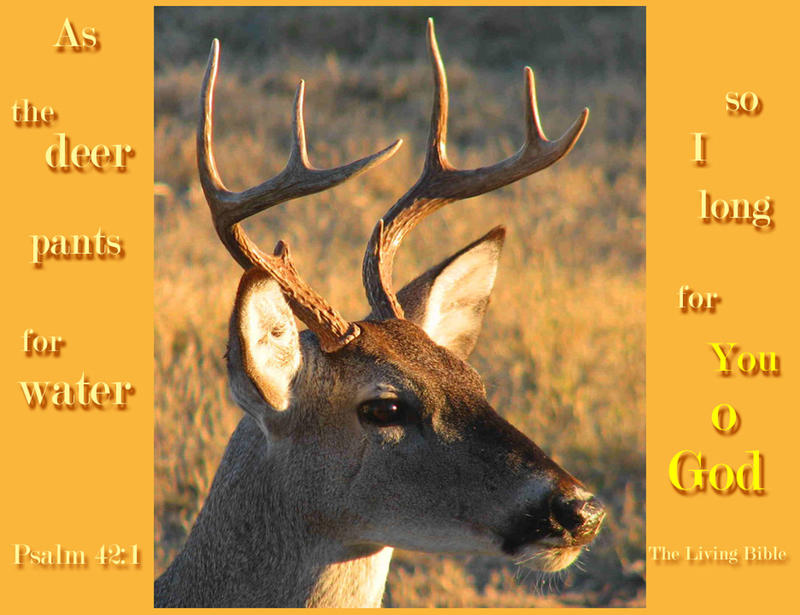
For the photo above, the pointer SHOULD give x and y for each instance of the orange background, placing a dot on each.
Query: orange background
(85, 478)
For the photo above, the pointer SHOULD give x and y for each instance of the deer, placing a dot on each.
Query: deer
(360, 437)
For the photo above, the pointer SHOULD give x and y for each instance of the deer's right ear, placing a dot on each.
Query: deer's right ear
(263, 347)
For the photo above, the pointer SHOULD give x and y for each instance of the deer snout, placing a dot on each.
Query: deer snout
(561, 522)
(579, 516)
(550, 536)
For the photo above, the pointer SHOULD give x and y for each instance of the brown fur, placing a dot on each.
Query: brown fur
(309, 498)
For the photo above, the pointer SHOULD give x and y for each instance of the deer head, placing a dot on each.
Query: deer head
(380, 427)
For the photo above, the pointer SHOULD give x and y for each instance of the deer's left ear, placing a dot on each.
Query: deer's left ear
(450, 300)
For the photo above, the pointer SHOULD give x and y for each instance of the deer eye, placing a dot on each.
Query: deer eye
(383, 412)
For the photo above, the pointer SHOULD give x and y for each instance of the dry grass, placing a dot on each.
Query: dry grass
(562, 350)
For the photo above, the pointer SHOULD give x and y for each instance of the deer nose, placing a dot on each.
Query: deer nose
(581, 517)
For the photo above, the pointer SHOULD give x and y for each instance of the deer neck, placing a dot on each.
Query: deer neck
(230, 559)
(357, 581)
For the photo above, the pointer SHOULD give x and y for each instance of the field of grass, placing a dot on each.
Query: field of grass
(562, 351)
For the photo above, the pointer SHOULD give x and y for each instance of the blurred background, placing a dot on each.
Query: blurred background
(562, 352)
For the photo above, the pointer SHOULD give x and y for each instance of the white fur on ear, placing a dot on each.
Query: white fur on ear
(264, 348)
(450, 300)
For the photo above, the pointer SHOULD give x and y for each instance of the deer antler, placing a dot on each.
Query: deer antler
(297, 179)
(440, 183)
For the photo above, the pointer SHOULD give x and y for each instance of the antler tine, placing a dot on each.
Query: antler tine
(297, 179)
(299, 152)
(440, 183)
(536, 144)
(436, 158)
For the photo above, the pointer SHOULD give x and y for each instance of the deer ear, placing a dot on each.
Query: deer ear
(263, 347)
(450, 300)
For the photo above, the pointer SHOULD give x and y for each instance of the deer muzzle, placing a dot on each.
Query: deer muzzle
(549, 534)
(580, 518)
